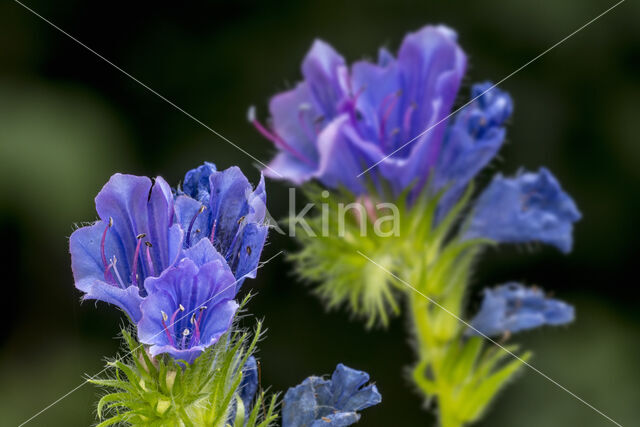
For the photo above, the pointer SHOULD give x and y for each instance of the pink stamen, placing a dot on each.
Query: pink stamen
(276, 139)
(134, 270)
(107, 275)
(193, 220)
(213, 230)
(391, 100)
(149, 260)
(175, 313)
(185, 334)
(196, 335)
(166, 330)
(406, 121)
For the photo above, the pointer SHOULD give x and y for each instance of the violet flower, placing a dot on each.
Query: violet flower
(223, 207)
(188, 308)
(530, 207)
(135, 238)
(471, 141)
(317, 402)
(513, 308)
(341, 120)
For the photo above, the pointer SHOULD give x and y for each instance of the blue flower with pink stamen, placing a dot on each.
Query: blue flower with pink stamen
(135, 238)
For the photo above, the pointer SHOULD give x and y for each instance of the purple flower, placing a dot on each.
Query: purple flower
(329, 403)
(474, 138)
(341, 120)
(513, 308)
(529, 207)
(188, 308)
(135, 238)
(223, 207)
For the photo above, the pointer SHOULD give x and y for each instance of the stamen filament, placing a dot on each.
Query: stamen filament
(185, 334)
(134, 270)
(107, 275)
(213, 230)
(276, 139)
(195, 339)
(166, 330)
(115, 269)
(193, 220)
(391, 100)
(152, 270)
(406, 120)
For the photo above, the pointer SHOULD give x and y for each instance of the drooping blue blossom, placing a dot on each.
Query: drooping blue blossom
(513, 307)
(471, 141)
(223, 207)
(317, 402)
(340, 120)
(135, 238)
(529, 207)
(249, 384)
(188, 307)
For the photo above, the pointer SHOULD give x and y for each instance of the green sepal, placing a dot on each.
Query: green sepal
(162, 391)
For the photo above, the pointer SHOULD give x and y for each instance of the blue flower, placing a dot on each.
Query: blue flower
(329, 403)
(529, 207)
(341, 120)
(474, 138)
(135, 238)
(223, 207)
(513, 307)
(188, 308)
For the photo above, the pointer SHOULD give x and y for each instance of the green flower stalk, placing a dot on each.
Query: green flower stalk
(165, 391)
(375, 265)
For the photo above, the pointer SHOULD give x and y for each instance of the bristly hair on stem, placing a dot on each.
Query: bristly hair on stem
(162, 391)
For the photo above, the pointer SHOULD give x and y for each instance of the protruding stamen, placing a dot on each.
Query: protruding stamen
(107, 275)
(213, 230)
(389, 102)
(274, 137)
(166, 330)
(195, 339)
(193, 220)
(113, 266)
(175, 314)
(134, 270)
(185, 334)
(406, 120)
(149, 259)
(241, 225)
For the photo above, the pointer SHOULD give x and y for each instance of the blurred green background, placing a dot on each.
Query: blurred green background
(68, 121)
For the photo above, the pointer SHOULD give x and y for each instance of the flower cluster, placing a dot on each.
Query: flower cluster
(387, 131)
(173, 260)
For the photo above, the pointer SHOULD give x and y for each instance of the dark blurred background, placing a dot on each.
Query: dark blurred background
(68, 121)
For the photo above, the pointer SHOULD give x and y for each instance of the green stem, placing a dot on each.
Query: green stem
(448, 414)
